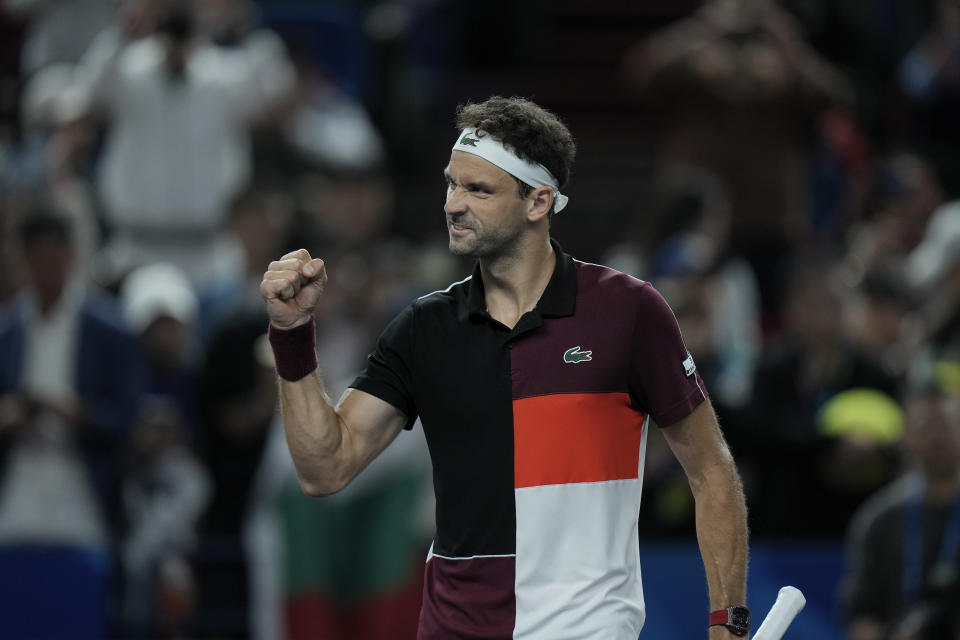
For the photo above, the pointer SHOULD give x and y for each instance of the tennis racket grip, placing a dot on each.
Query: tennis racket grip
(789, 602)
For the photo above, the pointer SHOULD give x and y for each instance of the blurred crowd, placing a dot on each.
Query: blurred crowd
(803, 221)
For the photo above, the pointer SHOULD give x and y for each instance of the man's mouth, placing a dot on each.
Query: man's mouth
(457, 228)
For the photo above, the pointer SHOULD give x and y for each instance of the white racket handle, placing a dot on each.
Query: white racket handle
(789, 602)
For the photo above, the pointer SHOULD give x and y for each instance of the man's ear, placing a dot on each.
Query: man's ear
(541, 201)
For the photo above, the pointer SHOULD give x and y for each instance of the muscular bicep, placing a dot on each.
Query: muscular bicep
(370, 424)
(698, 444)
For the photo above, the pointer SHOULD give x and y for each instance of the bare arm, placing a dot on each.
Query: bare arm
(330, 444)
(721, 512)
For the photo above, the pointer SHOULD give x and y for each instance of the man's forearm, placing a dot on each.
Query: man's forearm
(721, 518)
(315, 435)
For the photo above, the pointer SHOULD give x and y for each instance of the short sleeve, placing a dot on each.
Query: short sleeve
(664, 381)
(388, 374)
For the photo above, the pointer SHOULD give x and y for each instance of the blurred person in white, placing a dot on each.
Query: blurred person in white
(59, 30)
(161, 308)
(179, 112)
(329, 127)
(904, 542)
(70, 382)
(933, 267)
(165, 488)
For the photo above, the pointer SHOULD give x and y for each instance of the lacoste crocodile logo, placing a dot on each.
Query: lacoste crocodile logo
(574, 355)
(468, 141)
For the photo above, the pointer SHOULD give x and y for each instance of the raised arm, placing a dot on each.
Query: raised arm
(330, 444)
(721, 512)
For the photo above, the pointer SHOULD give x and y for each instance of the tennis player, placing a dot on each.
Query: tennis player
(537, 380)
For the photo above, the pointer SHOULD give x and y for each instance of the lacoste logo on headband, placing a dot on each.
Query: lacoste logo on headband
(467, 140)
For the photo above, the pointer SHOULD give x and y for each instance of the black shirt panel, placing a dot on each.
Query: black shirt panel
(462, 393)
(388, 375)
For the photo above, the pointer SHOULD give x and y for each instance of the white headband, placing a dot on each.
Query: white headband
(493, 151)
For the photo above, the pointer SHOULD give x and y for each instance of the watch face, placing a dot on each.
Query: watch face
(739, 618)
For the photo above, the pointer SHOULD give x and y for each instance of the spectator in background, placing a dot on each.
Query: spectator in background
(806, 465)
(237, 399)
(165, 487)
(57, 130)
(179, 112)
(59, 30)
(897, 210)
(260, 222)
(70, 381)
(328, 127)
(903, 549)
(929, 77)
(933, 267)
(881, 320)
(161, 307)
(695, 248)
(740, 91)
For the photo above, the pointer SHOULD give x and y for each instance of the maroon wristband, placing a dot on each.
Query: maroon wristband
(294, 350)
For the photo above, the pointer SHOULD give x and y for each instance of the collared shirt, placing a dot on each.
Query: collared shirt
(537, 436)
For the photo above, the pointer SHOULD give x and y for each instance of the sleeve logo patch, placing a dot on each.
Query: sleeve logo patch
(688, 365)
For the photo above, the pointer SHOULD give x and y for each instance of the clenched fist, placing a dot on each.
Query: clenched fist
(291, 288)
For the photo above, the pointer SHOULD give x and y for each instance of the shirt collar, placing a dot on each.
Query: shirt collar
(558, 299)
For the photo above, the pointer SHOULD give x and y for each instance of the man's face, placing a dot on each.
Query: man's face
(49, 261)
(485, 214)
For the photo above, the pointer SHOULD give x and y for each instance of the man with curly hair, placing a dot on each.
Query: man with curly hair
(536, 380)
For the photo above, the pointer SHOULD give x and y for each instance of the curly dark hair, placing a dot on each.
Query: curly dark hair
(527, 129)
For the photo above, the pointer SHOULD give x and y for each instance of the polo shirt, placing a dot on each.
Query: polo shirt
(537, 436)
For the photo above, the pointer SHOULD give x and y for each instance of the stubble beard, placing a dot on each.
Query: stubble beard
(489, 244)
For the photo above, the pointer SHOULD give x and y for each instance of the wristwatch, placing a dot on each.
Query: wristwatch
(735, 619)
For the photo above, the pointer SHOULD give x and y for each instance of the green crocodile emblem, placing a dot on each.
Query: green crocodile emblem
(574, 355)
(467, 140)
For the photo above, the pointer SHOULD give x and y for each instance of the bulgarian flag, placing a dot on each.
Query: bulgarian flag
(354, 566)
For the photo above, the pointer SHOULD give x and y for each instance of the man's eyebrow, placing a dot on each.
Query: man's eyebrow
(479, 185)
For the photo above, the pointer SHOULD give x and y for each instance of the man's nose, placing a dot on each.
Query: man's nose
(456, 202)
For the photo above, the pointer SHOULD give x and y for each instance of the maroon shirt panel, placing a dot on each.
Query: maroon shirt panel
(634, 343)
(469, 599)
